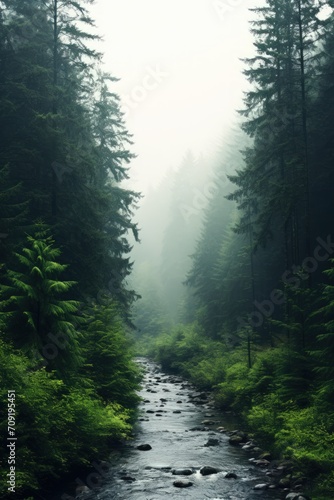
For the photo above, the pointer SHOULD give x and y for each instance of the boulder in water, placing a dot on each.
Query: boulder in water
(182, 472)
(207, 470)
(182, 484)
(261, 486)
(144, 447)
(212, 442)
(231, 475)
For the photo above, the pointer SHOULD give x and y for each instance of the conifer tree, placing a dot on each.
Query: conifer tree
(35, 303)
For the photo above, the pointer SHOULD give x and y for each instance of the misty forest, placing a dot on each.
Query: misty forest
(217, 282)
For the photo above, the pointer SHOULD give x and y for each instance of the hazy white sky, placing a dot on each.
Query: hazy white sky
(181, 77)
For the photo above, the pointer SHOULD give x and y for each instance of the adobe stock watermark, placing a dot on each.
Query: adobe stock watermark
(201, 197)
(92, 481)
(225, 7)
(152, 80)
(292, 277)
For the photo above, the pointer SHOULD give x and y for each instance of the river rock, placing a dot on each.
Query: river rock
(177, 411)
(182, 472)
(144, 447)
(235, 440)
(207, 470)
(208, 422)
(212, 442)
(261, 463)
(296, 496)
(231, 475)
(203, 395)
(238, 437)
(285, 482)
(182, 484)
(261, 486)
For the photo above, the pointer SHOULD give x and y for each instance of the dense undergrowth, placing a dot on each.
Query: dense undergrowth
(68, 381)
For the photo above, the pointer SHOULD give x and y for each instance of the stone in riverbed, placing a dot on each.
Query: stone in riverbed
(212, 442)
(296, 496)
(182, 472)
(182, 484)
(231, 475)
(235, 440)
(261, 463)
(285, 482)
(177, 411)
(144, 447)
(207, 470)
(262, 486)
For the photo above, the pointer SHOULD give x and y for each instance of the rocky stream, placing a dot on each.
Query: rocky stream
(184, 448)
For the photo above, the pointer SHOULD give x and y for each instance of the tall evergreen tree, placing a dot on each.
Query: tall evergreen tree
(34, 303)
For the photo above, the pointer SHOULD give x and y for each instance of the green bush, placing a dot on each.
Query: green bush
(57, 427)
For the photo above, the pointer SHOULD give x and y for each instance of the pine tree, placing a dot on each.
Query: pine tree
(277, 165)
(35, 306)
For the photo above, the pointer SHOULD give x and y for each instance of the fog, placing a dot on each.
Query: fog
(181, 83)
(180, 75)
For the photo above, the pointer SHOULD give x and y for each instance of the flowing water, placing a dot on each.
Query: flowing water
(168, 414)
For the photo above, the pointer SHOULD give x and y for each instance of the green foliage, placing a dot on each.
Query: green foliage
(108, 356)
(307, 436)
(186, 350)
(324, 351)
(58, 427)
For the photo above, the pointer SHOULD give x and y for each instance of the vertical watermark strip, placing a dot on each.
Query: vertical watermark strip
(11, 439)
